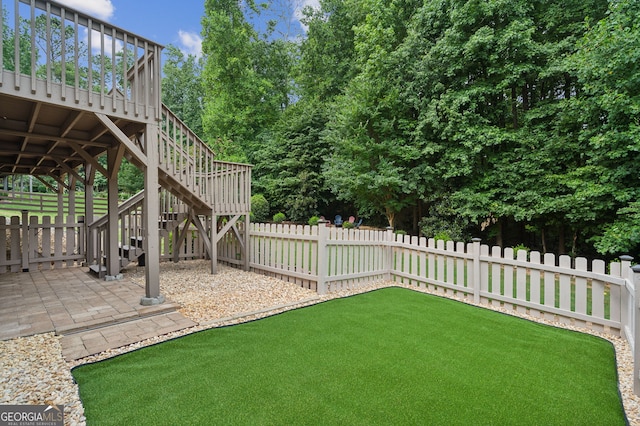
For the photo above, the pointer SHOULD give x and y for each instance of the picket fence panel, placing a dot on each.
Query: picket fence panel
(557, 288)
(40, 243)
(284, 251)
(354, 258)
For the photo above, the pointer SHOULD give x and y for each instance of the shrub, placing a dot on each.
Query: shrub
(348, 225)
(314, 220)
(518, 248)
(279, 217)
(442, 235)
(259, 208)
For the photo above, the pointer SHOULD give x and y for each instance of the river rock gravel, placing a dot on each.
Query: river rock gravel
(33, 371)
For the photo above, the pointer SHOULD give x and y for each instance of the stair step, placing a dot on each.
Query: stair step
(137, 241)
(124, 261)
(98, 270)
(130, 252)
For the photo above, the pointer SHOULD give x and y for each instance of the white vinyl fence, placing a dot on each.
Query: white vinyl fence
(330, 259)
(591, 295)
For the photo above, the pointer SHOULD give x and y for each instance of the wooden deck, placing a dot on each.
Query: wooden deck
(74, 89)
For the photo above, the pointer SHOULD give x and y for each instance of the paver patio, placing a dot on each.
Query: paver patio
(91, 314)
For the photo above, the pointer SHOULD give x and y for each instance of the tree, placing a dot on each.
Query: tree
(490, 89)
(182, 89)
(373, 166)
(289, 167)
(245, 79)
(607, 64)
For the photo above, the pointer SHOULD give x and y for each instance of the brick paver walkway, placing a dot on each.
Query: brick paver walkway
(80, 345)
(92, 314)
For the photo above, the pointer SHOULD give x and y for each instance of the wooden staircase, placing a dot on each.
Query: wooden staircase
(133, 251)
(192, 183)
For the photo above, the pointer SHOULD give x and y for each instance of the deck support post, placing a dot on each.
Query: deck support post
(247, 225)
(88, 212)
(114, 158)
(151, 209)
(214, 243)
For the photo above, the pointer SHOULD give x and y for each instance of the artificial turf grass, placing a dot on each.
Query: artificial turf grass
(392, 356)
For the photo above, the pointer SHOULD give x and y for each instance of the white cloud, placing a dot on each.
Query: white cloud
(96, 47)
(101, 9)
(191, 43)
(299, 6)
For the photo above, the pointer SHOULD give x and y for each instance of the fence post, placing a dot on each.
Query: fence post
(321, 286)
(25, 241)
(627, 304)
(636, 329)
(477, 284)
(388, 253)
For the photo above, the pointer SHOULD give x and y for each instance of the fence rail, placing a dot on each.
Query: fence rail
(46, 203)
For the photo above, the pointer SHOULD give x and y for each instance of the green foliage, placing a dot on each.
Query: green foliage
(520, 247)
(130, 179)
(623, 235)
(608, 180)
(313, 220)
(289, 165)
(182, 89)
(443, 222)
(259, 208)
(518, 119)
(444, 236)
(279, 217)
(374, 165)
(245, 78)
(348, 225)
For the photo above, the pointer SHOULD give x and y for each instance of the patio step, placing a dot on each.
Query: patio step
(91, 342)
(141, 313)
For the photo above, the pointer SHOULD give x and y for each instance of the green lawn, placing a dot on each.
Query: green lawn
(392, 356)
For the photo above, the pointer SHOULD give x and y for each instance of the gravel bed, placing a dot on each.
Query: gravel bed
(33, 371)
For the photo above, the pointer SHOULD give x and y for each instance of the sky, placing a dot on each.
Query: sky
(168, 21)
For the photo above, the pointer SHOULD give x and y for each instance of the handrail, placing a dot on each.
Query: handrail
(184, 156)
(122, 207)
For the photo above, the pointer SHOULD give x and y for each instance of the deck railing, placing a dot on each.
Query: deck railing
(60, 55)
(223, 186)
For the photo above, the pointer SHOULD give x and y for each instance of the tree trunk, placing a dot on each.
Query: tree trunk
(391, 217)
(561, 244)
(499, 233)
